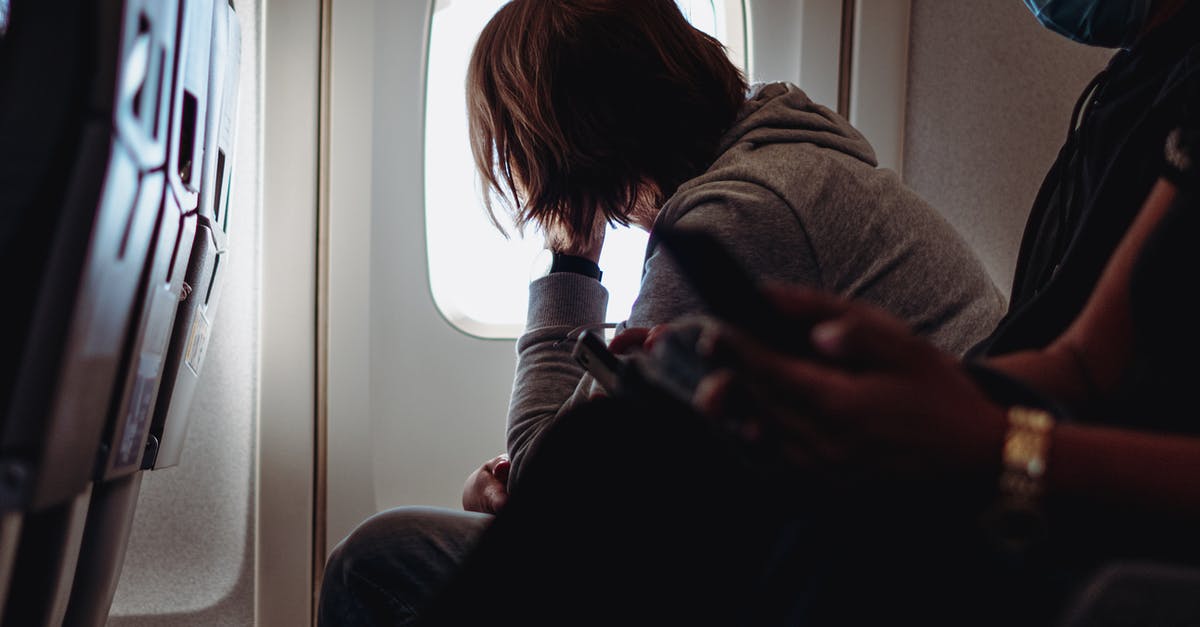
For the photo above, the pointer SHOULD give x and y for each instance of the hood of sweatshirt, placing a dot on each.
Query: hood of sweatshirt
(780, 113)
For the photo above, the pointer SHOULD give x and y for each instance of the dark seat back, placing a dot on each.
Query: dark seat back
(116, 131)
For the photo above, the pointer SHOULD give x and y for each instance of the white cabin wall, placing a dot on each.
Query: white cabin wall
(437, 397)
(414, 404)
(775, 44)
(878, 77)
(797, 41)
(349, 476)
(990, 94)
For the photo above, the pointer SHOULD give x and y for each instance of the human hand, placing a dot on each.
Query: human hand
(876, 400)
(631, 340)
(486, 489)
(558, 239)
(636, 339)
(626, 342)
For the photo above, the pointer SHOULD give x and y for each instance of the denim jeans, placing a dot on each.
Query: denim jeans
(387, 570)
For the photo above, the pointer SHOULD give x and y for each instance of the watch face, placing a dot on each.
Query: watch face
(541, 264)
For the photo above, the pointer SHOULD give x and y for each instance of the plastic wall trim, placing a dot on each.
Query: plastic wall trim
(320, 426)
(878, 76)
(289, 293)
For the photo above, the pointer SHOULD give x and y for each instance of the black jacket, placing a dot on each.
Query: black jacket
(1112, 157)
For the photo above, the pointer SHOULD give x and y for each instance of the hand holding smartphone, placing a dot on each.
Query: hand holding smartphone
(731, 295)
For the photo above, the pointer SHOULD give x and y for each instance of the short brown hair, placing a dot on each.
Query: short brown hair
(580, 102)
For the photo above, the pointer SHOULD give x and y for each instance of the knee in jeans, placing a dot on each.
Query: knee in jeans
(403, 538)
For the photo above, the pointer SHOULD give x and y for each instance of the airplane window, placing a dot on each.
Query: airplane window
(480, 280)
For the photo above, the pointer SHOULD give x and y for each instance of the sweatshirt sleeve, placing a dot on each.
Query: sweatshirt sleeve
(759, 229)
(547, 376)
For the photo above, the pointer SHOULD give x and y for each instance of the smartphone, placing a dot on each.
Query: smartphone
(731, 295)
(592, 353)
(729, 292)
(672, 366)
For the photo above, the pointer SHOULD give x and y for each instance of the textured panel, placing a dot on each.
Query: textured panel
(990, 97)
(191, 555)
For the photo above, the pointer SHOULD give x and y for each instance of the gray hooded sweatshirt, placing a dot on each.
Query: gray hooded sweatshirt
(795, 195)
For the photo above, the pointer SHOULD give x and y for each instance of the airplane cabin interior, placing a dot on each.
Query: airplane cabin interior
(253, 295)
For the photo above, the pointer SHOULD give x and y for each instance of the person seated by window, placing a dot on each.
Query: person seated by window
(585, 113)
(1089, 197)
(876, 478)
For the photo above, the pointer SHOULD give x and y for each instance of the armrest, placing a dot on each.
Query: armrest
(1127, 594)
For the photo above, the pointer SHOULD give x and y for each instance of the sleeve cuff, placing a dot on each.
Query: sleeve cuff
(566, 299)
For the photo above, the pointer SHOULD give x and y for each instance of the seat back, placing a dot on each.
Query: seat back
(115, 129)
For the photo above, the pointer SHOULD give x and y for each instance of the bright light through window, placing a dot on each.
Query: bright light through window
(480, 280)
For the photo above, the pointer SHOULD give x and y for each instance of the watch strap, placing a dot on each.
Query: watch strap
(578, 265)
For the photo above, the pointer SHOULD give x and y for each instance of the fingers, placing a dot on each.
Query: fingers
(629, 340)
(848, 332)
(868, 338)
(496, 497)
(773, 426)
(490, 465)
(567, 239)
(640, 338)
(501, 469)
(798, 379)
(806, 305)
(719, 396)
(656, 334)
(474, 498)
(486, 489)
(484, 493)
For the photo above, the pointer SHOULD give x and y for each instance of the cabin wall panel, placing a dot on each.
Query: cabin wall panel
(990, 94)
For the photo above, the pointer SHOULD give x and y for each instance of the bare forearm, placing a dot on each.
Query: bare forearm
(1159, 474)
(1053, 372)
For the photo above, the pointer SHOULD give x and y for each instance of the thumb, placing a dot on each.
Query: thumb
(497, 496)
(501, 470)
(629, 340)
(867, 338)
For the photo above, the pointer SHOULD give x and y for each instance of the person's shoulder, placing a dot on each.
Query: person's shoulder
(714, 197)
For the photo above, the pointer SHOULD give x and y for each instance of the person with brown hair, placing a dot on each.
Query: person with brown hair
(586, 113)
(873, 479)
(927, 489)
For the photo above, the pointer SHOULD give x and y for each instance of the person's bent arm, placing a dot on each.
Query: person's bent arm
(885, 400)
(1125, 469)
(1085, 364)
(548, 381)
(547, 375)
